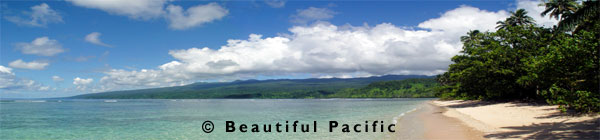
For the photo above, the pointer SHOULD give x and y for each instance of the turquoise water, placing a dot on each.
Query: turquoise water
(182, 119)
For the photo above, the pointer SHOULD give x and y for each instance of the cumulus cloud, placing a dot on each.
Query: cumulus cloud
(39, 16)
(310, 14)
(465, 17)
(33, 65)
(321, 48)
(81, 83)
(136, 9)
(57, 78)
(9, 81)
(194, 16)
(94, 38)
(42, 46)
(275, 3)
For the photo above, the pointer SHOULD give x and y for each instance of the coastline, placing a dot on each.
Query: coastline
(512, 120)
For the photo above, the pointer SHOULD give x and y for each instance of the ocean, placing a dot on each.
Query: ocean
(185, 119)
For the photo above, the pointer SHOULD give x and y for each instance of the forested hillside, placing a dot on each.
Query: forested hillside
(409, 88)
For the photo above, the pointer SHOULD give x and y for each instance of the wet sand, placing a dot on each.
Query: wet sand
(428, 122)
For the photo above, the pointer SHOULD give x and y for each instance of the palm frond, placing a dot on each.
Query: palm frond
(589, 10)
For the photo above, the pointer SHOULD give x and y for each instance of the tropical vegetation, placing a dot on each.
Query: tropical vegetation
(523, 61)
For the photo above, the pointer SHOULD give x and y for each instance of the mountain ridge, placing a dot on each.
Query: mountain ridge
(251, 88)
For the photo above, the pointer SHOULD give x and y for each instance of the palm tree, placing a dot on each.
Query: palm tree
(559, 9)
(590, 10)
(517, 18)
(469, 41)
(471, 36)
(520, 18)
(502, 24)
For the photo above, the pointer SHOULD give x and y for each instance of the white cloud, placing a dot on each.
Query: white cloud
(136, 9)
(94, 38)
(321, 48)
(9, 81)
(42, 46)
(275, 3)
(194, 16)
(310, 14)
(57, 78)
(531, 6)
(39, 16)
(465, 17)
(117, 78)
(33, 65)
(177, 17)
(81, 83)
(6, 70)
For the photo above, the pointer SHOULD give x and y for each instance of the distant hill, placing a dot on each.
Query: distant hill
(280, 88)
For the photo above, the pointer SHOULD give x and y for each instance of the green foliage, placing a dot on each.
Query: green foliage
(527, 62)
(583, 101)
(569, 70)
(491, 63)
(580, 19)
(409, 88)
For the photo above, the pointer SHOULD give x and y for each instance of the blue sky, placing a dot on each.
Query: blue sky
(105, 45)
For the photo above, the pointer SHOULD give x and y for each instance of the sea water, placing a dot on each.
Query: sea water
(183, 119)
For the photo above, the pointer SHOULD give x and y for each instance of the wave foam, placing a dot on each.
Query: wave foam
(395, 119)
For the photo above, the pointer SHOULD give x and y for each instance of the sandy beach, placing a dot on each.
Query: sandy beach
(429, 122)
(512, 120)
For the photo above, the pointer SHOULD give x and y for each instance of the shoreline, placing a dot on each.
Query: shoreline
(428, 122)
(511, 120)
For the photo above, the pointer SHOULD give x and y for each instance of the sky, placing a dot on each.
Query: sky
(72, 47)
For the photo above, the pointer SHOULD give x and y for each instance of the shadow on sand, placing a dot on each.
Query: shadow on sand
(558, 130)
(466, 104)
(551, 131)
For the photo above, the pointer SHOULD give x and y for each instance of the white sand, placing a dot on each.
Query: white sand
(521, 120)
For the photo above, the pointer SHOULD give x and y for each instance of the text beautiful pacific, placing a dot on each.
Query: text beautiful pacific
(296, 126)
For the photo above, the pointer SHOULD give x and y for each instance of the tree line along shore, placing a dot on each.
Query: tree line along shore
(523, 61)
